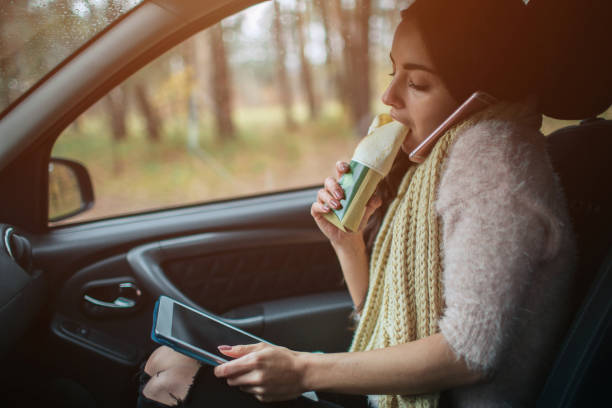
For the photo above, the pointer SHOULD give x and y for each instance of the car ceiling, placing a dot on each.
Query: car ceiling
(120, 50)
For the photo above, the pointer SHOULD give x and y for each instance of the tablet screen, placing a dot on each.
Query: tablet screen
(205, 333)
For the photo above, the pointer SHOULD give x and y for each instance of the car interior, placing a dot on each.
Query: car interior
(76, 301)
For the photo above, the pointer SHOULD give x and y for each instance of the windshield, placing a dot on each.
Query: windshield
(36, 35)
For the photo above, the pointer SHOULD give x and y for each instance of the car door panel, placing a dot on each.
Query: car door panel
(73, 247)
(252, 270)
(202, 270)
(264, 267)
(264, 251)
(119, 336)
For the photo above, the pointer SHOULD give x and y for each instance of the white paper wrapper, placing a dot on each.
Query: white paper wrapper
(379, 148)
(376, 152)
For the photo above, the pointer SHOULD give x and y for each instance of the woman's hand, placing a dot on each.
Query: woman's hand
(270, 373)
(328, 198)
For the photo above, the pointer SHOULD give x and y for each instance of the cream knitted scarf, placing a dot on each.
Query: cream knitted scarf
(405, 299)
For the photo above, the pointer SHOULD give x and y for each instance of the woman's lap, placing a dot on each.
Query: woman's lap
(208, 390)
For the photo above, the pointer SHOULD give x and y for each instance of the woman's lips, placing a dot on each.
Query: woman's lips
(394, 116)
(406, 142)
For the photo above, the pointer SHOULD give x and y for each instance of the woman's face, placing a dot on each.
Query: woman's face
(417, 96)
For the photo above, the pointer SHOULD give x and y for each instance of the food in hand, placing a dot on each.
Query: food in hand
(371, 162)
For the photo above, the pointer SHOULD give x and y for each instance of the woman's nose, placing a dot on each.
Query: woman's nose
(391, 97)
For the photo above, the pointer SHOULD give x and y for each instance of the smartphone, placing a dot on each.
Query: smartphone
(195, 333)
(476, 102)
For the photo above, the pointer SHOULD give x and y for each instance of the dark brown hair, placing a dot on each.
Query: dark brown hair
(511, 50)
(553, 49)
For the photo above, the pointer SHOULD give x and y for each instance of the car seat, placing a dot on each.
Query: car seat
(580, 156)
(580, 375)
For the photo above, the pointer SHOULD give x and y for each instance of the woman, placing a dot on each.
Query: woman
(463, 287)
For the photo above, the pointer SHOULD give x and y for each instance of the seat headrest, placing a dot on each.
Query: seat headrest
(574, 42)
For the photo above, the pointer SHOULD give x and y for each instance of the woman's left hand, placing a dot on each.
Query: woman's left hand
(270, 373)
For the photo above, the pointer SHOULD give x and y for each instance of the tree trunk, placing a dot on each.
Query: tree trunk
(190, 57)
(344, 16)
(284, 87)
(356, 84)
(334, 77)
(361, 58)
(148, 111)
(221, 84)
(115, 103)
(116, 106)
(305, 68)
(323, 6)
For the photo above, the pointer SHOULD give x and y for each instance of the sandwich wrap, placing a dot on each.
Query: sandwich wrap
(371, 162)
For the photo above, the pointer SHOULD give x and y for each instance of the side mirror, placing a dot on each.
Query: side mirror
(70, 189)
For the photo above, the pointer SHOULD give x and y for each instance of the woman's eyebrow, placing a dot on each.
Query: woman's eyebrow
(413, 66)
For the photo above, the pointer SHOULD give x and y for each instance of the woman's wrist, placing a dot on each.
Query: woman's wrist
(309, 364)
(351, 245)
(353, 260)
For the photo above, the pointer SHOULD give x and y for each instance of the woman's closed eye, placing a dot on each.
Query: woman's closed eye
(412, 84)
(417, 87)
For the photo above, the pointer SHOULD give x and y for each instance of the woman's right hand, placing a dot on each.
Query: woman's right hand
(328, 198)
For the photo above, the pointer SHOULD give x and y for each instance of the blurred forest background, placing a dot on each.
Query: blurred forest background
(266, 100)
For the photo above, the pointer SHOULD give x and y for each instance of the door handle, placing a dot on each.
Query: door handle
(119, 303)
(125, 297)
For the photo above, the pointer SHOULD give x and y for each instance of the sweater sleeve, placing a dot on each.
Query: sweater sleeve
(497, 228)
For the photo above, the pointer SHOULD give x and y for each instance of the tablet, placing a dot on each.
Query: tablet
(195, 333)
(198, 334)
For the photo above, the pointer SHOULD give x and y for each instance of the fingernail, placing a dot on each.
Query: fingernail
(345, 166)
(224, 348)
(326, 208)
(335, 204)
(338, 195)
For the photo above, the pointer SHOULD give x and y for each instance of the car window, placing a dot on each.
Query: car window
(36, 35)
(266, 100)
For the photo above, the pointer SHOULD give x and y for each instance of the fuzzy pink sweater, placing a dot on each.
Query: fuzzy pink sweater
(508, 258)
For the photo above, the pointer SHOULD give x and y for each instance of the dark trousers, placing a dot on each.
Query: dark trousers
(210, 391)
